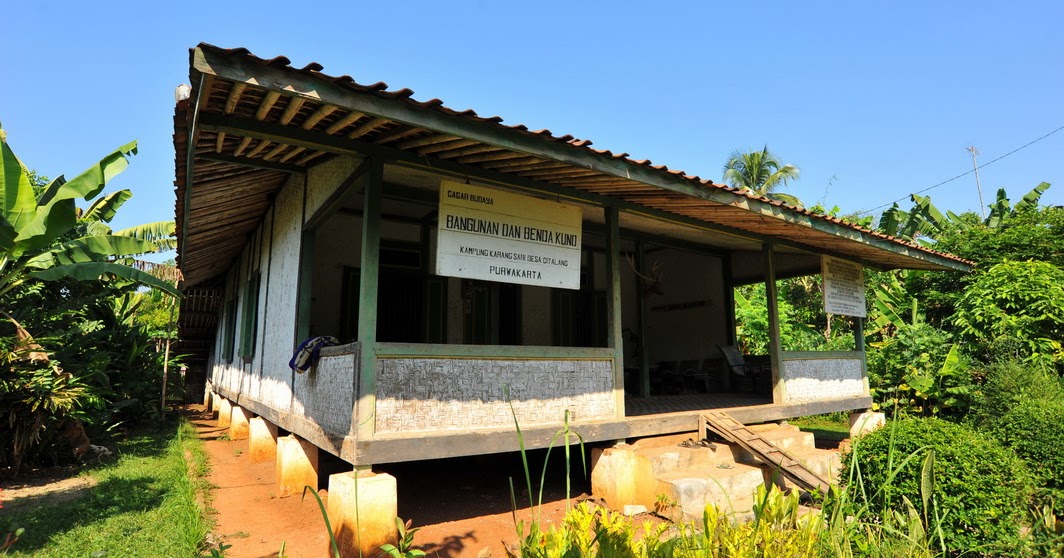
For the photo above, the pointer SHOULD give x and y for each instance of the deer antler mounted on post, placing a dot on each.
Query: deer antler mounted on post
(651, 284)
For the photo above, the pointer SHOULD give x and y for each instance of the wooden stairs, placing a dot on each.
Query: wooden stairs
(735, 432)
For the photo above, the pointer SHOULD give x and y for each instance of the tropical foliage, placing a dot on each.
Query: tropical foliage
(71, 354)
(762, 173)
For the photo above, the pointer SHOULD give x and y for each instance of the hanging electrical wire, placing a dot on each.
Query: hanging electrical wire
(963, 174)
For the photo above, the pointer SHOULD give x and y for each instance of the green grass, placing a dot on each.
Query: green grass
(145, 503)
(832, 426)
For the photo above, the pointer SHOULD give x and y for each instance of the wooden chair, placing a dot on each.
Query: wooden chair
(694, 376)
(754, 373)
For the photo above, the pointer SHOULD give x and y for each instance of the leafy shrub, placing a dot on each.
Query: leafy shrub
(1009, 383)
(918, 371)
(1035, 431)
(1023, 301)
(981, 490)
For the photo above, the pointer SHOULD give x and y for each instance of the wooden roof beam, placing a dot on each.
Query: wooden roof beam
(317, 116)
(252, 163)
(366, 128)
(234, 97)
(217, 122)
(244, 143)
(400, 135)
(427, 140)
(347, 120)
(527, 163)
(267, 104)
(290, 111)
(491, 156)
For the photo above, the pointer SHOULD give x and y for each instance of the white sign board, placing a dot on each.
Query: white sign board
(844, 291)
(502, 236)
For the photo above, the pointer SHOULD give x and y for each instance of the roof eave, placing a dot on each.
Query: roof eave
(212, 62)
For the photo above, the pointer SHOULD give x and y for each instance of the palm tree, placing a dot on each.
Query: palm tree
(761, 172)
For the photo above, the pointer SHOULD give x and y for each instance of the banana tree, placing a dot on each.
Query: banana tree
(925, 219)
(46, 237)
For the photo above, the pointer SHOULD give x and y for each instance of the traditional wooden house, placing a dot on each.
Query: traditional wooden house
(469, 267)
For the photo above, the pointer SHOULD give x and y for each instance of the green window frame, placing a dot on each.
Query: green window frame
(249, 321)
(229, 334)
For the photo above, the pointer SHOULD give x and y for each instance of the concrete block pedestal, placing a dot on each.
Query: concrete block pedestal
(215, 402)
(362, 510)
(616, 475)
(238, 423)
(262, 440)
(225, 412)
(297, 465)
(863, 423)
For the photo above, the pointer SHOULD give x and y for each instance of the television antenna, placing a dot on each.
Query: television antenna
(975, 166)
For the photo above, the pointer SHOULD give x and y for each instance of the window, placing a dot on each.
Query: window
(250, 318)
(230, 331)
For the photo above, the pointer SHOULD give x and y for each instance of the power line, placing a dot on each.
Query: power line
(963, 174)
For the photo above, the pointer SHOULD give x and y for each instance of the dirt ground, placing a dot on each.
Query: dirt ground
(462, 506)
(44, 487)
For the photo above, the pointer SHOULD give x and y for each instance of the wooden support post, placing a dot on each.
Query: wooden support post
(729, 300)
(858, 335)
(641, 318)
(615, 337)
(778, 388)
(366, 390)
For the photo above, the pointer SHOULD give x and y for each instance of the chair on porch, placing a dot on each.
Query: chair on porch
(695, 377)
(755, 375)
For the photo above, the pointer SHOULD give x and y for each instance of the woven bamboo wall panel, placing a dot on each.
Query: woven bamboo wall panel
(282, 282)
(830, 378)
(326, 393)
(426, 395)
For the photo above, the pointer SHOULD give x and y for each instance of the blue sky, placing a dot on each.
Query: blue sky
(872, 101)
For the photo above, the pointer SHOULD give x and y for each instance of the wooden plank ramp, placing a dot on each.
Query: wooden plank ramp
(736, 432)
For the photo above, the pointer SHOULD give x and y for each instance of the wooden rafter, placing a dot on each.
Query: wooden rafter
(490, 156)
(528, 163)
(551, 174)
(234, 97)
(258, 148)
(309, 157)
(444, 146)
(321, 113)
(367, 127)
(267, 104)
(400, 134)
(344, 122)
(290, 111)
(219, 142)
(275, 151)
(288, 156)
(427, 140)
(244, 143)
(463, 151)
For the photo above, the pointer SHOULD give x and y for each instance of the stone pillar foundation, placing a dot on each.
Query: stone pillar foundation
(238, 423)
(863, 423)
(262, 440)
(225, 412)
(360, 529)
(297, 465)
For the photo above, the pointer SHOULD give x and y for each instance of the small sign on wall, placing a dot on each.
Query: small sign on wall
(502, 236)
(844, 292)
